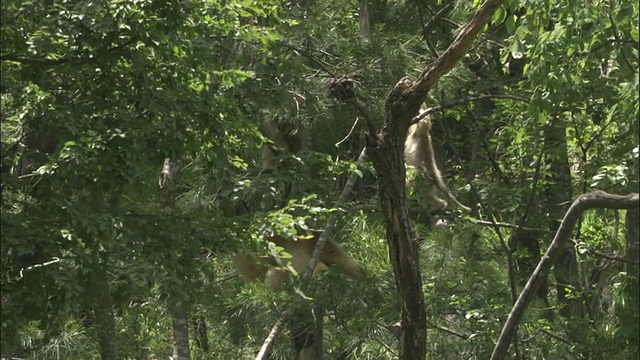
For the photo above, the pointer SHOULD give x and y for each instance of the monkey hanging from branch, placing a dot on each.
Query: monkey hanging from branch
(273, 271)
(419, 154)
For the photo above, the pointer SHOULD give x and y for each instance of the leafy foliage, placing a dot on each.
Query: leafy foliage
(95, 95)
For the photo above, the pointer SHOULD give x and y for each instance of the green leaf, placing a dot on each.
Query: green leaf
(516, 49)
(499, 16)
(510, 23)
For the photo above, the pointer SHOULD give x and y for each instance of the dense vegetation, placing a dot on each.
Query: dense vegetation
(131, 171)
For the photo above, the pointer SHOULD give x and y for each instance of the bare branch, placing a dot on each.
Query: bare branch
(458, 47)
(349, 134)
(366, 115)
(511, 226)
(35, 266)
(331, 222)
(584, 202)
(434, 109)
(307, 55)
(268, 342)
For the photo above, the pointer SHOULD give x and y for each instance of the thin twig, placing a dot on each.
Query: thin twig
(308, 56)
(447, 330)
(548, 333)
(366, 115)
(32, 267)
(512, 226)
(349, 134)
(433, 109)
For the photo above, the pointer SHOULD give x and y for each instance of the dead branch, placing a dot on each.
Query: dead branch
(458, 48)
(331, 222)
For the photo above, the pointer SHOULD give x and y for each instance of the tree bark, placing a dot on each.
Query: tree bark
(632, 225)
(103, 315)
(529, 241)
(596, 199)
(386, 152)
(318, 331)
(558, 197)
(179, 313)
(200, 329)
(180, 320)
(632, 230)
(386, 156)
(363, 18)
(303, 337)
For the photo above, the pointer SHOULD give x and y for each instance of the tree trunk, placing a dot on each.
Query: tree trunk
(631, 321)
(303, 337)
(558, 199)
(318, 317)
(632, 225)
(180, 319)
(363, 18)
(386, 152)
(179, 314)
(103, 315)
(527, 243)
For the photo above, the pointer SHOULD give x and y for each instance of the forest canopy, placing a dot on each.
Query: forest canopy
(157, 155)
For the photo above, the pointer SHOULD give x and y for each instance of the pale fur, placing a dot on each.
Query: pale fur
(418, 153)
(266, 268)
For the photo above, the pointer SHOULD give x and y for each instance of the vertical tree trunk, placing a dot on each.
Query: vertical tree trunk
(363, 15)
(179, 314)
(559, 196)
(303, 338)
(103, 315)
(180, 333)
(527, 243)
(386, 152)
(632, 229)
(306, 333)
(632, 225)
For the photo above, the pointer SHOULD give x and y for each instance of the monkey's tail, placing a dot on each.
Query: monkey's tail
(450, 197)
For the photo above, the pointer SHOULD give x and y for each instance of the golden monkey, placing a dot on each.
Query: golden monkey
(418, 153)
(265, 268)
